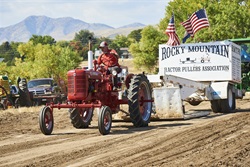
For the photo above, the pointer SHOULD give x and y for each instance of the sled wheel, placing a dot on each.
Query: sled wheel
(194, 103)
(215, 106)
(105, 120)
(46, 120)
(81, 117)
(228, 105)
(140, 90)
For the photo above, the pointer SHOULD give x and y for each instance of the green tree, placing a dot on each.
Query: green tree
(82, 50)
(5, 50)
(63, 44)
(83, 36)
(81, 42)
(228, 19)
(45, 61)
(120, 41)
(36, 39)
(135, 35)
(145, 52)
(9, 52)
(4, 69)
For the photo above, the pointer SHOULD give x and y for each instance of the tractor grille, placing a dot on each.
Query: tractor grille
(77, 85)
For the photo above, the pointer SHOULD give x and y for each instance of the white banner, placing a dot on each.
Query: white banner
(214, 61)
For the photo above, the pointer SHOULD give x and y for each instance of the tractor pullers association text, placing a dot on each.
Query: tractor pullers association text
(197, 68)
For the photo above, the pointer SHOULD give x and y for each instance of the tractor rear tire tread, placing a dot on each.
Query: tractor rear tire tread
(133, 100)
(76, 119)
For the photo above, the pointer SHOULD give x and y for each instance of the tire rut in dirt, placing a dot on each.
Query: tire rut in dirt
(213, 137)
(118, 153)
(35, 143)
(91, 148)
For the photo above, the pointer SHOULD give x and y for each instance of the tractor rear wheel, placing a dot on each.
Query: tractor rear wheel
(81, 117)
(139, 109)
(46, 120)
(105, 120)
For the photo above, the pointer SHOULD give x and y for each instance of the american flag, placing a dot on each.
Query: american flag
(197, 21)
(173, 39)
(186, 36)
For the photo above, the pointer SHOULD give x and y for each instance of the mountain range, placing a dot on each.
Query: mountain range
(60, 29)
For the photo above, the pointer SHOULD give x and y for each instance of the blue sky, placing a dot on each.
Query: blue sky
(114, 13)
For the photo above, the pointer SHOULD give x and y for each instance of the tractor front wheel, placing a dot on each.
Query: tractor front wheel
(46, 120)
(81, 117)
(139, 96)
(105, 120)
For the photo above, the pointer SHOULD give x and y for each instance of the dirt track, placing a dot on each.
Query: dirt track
(214, 140)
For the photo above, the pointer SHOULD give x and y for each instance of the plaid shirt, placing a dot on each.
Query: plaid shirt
(109, 59)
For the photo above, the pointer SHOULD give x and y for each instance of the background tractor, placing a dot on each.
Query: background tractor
(8, 98)
(245, 62)
(92, 88)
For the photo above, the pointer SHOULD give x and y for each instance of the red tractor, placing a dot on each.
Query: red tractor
(93, 88)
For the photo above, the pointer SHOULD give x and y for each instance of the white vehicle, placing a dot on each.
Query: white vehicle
(212, 78)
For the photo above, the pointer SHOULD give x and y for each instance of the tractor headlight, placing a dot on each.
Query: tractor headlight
(114, 72)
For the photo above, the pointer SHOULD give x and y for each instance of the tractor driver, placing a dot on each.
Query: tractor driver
(109, 58)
